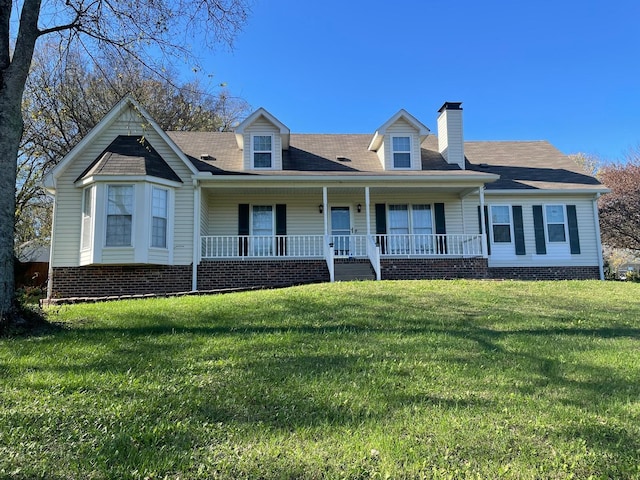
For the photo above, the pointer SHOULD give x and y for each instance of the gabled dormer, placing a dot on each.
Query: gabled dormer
(397, 142)
(262, 137)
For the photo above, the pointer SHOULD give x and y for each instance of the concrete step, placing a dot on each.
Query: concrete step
(345, 272)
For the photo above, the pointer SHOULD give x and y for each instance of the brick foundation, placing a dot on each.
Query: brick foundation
(116, 280)
(433, 268)
(545, 273)
(213, 275)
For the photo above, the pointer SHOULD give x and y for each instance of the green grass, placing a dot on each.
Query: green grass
(355, 380)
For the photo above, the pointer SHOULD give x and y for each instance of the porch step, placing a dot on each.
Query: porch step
(348, 271)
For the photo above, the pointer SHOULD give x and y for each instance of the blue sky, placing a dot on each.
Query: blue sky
(563, 70)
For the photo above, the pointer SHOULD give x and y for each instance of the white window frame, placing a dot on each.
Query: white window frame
(254, 151)
(166, 218)
(394, 151)
(256, 243)
(88, 220)
(133, 214)
(565, 223)
(511, 231)
(413, 245)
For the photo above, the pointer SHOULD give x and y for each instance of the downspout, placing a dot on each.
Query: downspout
(483, 230)
(196, 234)
(596, 217)
(51, 248)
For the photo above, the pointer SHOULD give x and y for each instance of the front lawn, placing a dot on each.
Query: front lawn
(456, 379)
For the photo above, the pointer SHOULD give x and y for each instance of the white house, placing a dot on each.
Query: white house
(139, 210)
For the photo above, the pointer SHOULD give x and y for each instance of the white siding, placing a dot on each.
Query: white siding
(450, 136)
(69, 197)
(303, 217)
(401, 128)
(262, 126)
(586, 227)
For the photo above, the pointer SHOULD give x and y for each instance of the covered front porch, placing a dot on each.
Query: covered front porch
(374, 223)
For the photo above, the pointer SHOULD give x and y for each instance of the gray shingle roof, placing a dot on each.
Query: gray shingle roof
(130, 155)
(521, 165)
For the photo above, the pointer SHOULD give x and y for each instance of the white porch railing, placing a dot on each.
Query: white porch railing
(268, 246)
(430, 245)
(329, 255)
(349, 245)
(373, 252)
(355, 246)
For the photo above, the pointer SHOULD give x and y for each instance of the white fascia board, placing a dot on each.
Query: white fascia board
(558, 191)
(107, 120)
(285, 133)
(423, 130)
(454, 180)
(376, 141)
(127, 179)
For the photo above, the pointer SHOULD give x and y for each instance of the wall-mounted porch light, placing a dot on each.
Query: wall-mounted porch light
(320, 208)
(359, 207)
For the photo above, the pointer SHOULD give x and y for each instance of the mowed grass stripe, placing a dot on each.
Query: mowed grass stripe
(447, 379)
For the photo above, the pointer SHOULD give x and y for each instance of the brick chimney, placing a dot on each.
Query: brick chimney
(450, 139)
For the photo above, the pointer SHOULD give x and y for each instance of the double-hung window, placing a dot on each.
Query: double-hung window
(501, 223)
(87, 218)
(401, 152)
(262, 230)
(556, 224)
(422, 226)
(262, 151)
(410, 219)
(159, 216)
(120, 201)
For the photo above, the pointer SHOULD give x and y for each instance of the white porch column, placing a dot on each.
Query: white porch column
(325, 211)
(366, 209)
(483, 230)
(196, 235)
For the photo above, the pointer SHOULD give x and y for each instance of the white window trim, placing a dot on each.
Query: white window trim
(272, 151)
(273, 217)
(410, 214)
(410, 152)
(168, 218)
(511, 230)
(132, 244)
(92, 219)
(546, 224)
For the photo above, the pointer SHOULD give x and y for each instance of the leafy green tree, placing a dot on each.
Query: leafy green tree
(141, 29)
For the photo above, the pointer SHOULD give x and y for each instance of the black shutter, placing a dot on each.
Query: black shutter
(486, 226)
(381, 218)
(243, 228)
(281, 229)
(518, 229)
(441, 226)
(574, 238)
(381, 225)
(538, 226)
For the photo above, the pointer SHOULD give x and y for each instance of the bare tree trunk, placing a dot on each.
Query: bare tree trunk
(13, 76)
(11, 126)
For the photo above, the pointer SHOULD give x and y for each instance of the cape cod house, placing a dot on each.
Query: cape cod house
(138, 210)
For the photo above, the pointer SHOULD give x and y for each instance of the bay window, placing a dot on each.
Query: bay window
(159, 217)
(120, 201)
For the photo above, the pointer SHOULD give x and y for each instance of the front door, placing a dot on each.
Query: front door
(341, 230)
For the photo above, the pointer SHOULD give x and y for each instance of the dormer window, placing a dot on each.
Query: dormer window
(401, 152)
(262, 151)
